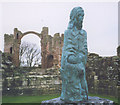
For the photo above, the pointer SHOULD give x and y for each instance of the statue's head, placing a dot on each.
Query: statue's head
(76, 17)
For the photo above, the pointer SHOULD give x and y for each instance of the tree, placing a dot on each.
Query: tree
(30, 55)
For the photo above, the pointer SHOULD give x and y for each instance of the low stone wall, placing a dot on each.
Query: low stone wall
(36, 82)
(102, 75)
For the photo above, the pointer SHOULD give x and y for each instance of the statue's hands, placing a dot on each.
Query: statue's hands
(74, 59)
(80, 58)
(80, 70)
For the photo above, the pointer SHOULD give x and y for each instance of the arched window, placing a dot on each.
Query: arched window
(17, 35)
(50, 57)
(10, 50)
(49, 61)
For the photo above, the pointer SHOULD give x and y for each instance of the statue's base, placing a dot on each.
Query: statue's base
(91, 101)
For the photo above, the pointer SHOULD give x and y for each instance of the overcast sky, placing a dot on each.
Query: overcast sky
(100, 22)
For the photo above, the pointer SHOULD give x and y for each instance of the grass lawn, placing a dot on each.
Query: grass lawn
(38, 99)
(27, 99)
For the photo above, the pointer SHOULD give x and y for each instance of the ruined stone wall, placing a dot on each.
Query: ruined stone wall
(51, 47)
(8, 42)
(57, 48)
(36, 83)
(102, 75)
(29, 81)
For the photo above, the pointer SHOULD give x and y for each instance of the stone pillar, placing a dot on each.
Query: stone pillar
(56, 49)
(16, 47)
(44, 34)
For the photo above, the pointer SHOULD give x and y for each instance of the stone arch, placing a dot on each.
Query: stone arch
(31, 32)
(18, 35)
(51, 46)
(33, 42)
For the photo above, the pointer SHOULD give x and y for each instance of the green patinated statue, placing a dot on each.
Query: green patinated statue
(74, 58)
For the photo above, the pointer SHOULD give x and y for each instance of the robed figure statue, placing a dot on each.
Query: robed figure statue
(74, 58)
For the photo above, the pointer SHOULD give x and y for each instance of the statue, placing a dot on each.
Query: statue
(73, 61)
(74, 58)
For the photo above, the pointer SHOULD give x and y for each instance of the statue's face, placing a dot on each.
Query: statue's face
(80, 16)
(76, 17)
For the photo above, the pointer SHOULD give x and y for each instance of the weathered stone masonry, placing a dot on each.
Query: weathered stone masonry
(51, 47)
(103, 73)
(102, 77)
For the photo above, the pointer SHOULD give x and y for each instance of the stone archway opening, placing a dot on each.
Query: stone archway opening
(30, 51)
(51, 47)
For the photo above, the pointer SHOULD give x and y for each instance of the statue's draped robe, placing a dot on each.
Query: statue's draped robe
(74, 57)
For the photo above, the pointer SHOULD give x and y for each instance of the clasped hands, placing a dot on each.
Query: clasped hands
(74, 59)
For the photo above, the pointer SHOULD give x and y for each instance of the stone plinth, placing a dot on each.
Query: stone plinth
(91, 101)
